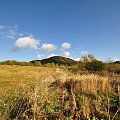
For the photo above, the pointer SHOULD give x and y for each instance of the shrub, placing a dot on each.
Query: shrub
(95, 65)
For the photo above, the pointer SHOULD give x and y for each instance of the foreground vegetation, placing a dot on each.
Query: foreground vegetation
(39, 93)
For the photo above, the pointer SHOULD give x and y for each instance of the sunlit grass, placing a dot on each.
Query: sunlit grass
(46, 93)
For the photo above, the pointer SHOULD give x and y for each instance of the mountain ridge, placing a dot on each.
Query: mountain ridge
(57, 60)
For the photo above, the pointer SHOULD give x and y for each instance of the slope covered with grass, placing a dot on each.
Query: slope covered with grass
(40, 93)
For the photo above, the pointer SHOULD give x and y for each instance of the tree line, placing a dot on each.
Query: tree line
(86, 64)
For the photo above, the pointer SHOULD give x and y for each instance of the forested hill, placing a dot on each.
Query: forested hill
(58, 60)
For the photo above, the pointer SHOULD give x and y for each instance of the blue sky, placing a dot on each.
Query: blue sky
(36, 29)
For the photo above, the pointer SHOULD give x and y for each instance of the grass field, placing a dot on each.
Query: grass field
(40, 93)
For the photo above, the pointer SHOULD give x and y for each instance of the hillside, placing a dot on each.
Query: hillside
(117, 62)
(57, 60)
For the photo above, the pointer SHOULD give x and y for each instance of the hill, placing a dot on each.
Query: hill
(57, 60)
(117, 62)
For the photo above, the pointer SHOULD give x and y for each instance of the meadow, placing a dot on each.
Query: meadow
(44, 93)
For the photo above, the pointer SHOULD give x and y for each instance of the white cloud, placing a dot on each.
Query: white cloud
(115, 59)
(84, 53)
(65, 46)
(66, 54)
(11, 34)
(8, 31)
(47, 47)
(39, 56)
(51, 55)
(76, 59)
(27, 42)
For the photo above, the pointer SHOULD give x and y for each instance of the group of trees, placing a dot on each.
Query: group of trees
(92, 64)
(87, 63)
(35, 63)
(14, 62)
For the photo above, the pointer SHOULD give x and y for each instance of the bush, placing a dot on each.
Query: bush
(95, 66)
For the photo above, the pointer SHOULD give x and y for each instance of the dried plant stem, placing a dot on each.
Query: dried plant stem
(73, 99)
(119, 94)
(108, 100)
(115, 114)
(35, 100)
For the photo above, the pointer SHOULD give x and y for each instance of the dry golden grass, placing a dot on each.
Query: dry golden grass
(11, 75)
(92, 83)
(48, 91)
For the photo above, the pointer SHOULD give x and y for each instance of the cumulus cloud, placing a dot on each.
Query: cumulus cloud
(27, 42)
(66, 54)
(111, 59)
(76, 59)
(65, 46)
(115, 59)
(39, 56)
(51, 55)
(47, 47)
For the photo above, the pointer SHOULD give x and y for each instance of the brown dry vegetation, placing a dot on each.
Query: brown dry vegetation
(42, 93)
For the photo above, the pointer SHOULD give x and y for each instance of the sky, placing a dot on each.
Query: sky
(37, 29)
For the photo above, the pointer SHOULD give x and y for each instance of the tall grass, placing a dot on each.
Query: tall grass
(36, 93)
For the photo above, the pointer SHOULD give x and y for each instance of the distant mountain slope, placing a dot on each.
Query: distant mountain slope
(117, 62)
(114, 62)
(58, 60)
